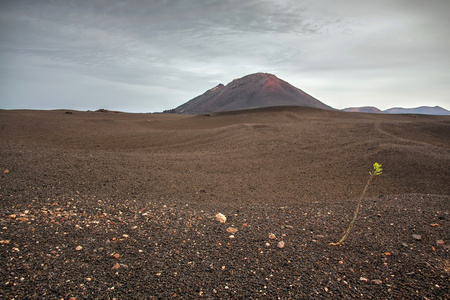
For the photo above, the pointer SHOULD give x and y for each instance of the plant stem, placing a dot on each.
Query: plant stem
(356, 213)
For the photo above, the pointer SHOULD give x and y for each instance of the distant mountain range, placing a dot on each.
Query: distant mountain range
(422, 110)
(251, 91)
(266, 90)
(364, 109)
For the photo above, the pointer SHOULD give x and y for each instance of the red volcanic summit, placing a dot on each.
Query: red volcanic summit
(251, 91)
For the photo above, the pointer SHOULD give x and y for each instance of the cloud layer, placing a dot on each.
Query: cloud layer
(155, 55)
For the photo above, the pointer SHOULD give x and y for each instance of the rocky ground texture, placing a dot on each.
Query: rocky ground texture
(120, 210)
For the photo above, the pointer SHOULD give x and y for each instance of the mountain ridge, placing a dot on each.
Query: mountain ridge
(251, 91)
(421, 110)
(261, 90)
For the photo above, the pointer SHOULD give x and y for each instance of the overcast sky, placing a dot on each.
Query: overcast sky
(147, 56)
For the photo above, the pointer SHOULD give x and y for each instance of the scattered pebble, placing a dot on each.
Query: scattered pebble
(377, 281)
(280, 244)
(232, 230)
(364, 279)
(221, 218)
(417, 237)
(272, 236)
(116, 266)
(78, 248)
(440, 242)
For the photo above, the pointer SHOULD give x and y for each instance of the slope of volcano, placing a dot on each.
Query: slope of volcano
(251, 91)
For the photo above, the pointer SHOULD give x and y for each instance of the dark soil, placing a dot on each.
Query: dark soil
(114, 205)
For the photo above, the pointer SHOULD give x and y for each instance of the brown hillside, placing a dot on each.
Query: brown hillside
(251, 91)
(90, 201)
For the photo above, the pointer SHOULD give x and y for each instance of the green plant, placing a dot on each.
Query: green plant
(376, 171)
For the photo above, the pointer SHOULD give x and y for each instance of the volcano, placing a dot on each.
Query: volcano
(251, 91)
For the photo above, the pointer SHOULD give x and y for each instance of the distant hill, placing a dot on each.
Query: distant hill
(364, 109)
(422, 110)
(251, 91)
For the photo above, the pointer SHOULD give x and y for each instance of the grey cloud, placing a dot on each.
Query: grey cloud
(148, 37)
(177, 49)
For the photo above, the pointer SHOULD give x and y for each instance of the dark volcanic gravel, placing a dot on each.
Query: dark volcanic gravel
(102, 213)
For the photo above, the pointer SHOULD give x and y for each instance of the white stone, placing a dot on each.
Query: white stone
(221, 218)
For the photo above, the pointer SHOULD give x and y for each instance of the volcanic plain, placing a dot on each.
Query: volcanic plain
(104, 205)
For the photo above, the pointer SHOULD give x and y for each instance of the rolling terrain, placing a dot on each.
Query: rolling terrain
(122, 205)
